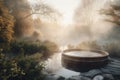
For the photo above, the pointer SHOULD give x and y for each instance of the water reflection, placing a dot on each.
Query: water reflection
(53, 66)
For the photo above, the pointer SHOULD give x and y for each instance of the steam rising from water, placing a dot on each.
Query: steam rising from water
(88, 25)
(54, 64)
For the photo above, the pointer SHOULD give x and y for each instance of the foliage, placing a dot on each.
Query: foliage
(26, 48)
(28, 57)
(9, 69)
(46, 49)
(6, 25)
(20, 9)
(23, 11)
(51, 46)
(113, 12)
(32, 68)
(20, 68)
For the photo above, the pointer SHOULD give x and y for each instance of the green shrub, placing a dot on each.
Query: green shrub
(46, 48)
(17, 47)
(32, 68)
(9, 69)
(21, 68)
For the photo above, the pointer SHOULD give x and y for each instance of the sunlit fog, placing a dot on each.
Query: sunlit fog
(65, 7)
(78, 20)
(59, 39)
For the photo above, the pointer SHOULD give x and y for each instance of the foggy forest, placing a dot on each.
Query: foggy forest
(59, 39)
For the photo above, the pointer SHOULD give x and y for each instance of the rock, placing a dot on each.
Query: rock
(112, 68)
(108, 76)
(50, 77)
(85, 78)
(104, 77)
(74, 78)
(54, 77)
(117, 77)
(78, 78)
(61, 78)
(91, 73)
(98, 77)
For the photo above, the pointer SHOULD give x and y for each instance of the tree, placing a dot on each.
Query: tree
(114, 13)
(19, 9)
(6, 25)
(23, 12)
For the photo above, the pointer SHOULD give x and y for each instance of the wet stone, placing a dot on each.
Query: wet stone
(50, 77)
(74, 78)
(109, 72)
(108, 76)
(91, 73)
(112, 68)
(85, 78)
(79, 78)
(98, 77)
(61, 78)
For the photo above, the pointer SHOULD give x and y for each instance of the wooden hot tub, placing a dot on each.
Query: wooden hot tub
(84, 60)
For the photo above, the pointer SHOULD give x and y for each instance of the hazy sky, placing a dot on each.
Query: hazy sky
(65, 7)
